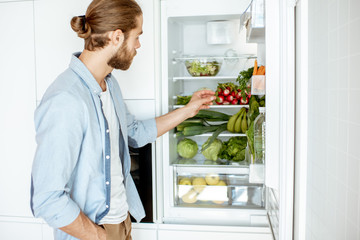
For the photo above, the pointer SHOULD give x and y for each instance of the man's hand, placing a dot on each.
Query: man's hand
(84, 229)
(200, 100)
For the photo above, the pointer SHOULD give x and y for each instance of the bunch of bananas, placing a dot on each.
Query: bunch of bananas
(238, 122)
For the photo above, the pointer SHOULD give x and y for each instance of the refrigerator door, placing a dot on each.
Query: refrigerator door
(280, 112)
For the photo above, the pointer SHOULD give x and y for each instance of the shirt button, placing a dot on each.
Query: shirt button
(107, 157)
(107, 206)
(107, 183)
(107, 130)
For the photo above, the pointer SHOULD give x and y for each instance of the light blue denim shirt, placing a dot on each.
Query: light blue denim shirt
(71, 168)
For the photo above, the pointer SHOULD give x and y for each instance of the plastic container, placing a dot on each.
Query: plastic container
(220, 32)
(259, 137)
(258, 85)
(199, 67)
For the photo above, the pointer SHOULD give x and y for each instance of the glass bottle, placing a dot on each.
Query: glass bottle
(259, 137)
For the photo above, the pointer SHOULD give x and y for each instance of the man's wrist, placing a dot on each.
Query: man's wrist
(188, 111)
(100, 233)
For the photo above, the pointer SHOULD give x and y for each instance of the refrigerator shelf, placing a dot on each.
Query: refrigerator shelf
(217, 106)
(225, 134)
(215, 78)
(205, 169)
(242, 56)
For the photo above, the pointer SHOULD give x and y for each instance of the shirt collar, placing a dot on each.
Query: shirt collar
(79, 68)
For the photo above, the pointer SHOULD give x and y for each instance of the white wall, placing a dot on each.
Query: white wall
(36, 44)
(333, 159)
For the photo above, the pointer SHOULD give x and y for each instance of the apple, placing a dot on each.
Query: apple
(212, 179)
(199, 184)
(190, 197)
(185, 181)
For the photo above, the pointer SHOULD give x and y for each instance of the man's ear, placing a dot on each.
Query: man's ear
(117, 37)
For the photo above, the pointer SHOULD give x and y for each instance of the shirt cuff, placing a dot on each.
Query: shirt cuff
(65, 217)
(150, 126)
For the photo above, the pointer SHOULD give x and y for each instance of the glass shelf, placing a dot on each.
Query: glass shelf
(217, 106)
(203, 169)
(224, 134)
(242, 56)
(215, 78)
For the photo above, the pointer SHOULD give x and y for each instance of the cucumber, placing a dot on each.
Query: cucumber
(212, 115)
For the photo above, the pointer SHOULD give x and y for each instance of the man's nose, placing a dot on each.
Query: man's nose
(138, 44)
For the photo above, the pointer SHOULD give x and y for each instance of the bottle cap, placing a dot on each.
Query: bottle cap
(261, 109)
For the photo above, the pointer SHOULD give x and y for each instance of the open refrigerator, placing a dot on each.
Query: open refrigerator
(231, 34)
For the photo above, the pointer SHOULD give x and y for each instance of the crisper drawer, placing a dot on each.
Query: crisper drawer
(216, 187)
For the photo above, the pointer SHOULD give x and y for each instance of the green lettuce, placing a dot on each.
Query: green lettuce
(187, 148)
(212, 151)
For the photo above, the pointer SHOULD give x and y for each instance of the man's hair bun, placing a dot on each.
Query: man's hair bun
(81, 26)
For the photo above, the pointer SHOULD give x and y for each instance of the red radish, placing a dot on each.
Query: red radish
(229, 98)
(244, 102)
(218, 103)
(219, 91)
(226, 92)
(220, 99)
(226, 102)
(233, 93)
(234, 102)
(238, 95)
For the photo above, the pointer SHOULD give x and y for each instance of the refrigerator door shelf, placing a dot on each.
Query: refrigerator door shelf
(258, 83)
(256, 174)
(255, 28)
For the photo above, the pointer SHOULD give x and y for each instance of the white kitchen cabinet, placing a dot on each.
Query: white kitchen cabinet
(193, 232)
(139, 81)
(199, 235)
(6, 1)
(141, 109)
(55, 41)
(19, 230)
(18, 99)
(47, 232)
(144, 231)
(147, 234)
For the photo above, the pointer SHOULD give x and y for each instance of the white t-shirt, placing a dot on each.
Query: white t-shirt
(118, 204)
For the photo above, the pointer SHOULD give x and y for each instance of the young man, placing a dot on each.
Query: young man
(81, 184)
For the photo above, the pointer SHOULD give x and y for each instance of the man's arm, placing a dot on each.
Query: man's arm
(83, 228)
(200, 100)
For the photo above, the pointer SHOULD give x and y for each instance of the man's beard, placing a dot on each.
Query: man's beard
(122, 59)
